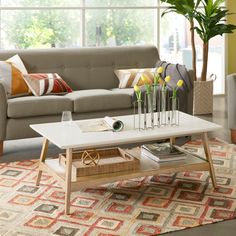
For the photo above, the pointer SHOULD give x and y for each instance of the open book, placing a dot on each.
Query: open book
(105, 124)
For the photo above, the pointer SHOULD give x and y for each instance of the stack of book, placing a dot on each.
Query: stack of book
(162, 152)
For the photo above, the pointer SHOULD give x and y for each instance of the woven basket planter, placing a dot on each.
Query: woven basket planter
(203, 97)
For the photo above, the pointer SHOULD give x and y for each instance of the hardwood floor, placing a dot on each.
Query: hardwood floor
(220, 117)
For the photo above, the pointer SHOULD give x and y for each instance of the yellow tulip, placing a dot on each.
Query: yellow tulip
(137, 92)
(159, 70)
(136, 88)
(144, 79)
(180, 83)
(167, 79)
(147, 83)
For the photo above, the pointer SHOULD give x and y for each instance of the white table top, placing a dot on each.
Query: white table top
(69, 135)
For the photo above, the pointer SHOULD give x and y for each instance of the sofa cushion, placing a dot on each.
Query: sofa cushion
(92, 100)
(128, 91)
(128, 78)
(46, 83)
(11, 75)
(86, 68)
(38, 106)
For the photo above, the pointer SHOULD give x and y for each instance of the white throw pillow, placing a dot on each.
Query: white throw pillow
(18, 63)
(11, 76)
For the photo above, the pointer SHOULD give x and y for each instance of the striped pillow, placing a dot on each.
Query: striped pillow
(129, 77)
(41, 84)
(11, 76)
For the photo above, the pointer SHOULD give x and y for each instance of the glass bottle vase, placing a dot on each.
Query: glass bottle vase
(139, 121)
(148, 113)
(163, 107)
(154, 97)
(174, 111)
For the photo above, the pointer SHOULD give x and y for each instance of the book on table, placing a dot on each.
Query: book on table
(162, 152)
(104, 124)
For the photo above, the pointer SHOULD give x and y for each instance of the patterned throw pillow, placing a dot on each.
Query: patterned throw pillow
(129, 77)
(11, 76)
(41, 84)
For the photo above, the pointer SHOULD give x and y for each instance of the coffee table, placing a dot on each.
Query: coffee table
(68, 136)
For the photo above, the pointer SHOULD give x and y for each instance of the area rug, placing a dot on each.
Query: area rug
(144, 206)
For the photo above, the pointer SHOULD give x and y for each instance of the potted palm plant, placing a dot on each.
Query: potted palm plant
(210, 18)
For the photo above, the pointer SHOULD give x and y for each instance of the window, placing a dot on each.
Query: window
(115, 27)
(175, 46)
(23, 29)
(78, 23)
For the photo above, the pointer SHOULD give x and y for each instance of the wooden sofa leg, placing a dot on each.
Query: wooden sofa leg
(1, 147)
(233, 135)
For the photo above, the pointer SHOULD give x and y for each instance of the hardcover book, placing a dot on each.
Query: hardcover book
(162, 152)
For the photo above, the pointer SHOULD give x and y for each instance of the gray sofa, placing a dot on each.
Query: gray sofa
(231, 92)
(90, 73)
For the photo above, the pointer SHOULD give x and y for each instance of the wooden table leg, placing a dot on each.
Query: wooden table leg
(1, 147)
(68, 180)
(42, 159)
(172, 140)
(233, 135)
(209, 159)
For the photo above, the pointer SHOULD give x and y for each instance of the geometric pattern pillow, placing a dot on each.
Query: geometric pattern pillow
(129, 77)
(11, 76)
(42, 83)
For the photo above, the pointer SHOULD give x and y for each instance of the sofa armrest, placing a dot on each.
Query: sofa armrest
(177, 72)
(231, 98)
(3, 112)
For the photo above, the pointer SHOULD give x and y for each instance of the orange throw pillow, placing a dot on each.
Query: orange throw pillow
(11, 75)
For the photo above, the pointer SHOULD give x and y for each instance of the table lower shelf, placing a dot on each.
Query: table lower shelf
(147, 167)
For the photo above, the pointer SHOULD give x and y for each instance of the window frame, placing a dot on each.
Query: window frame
(157, 7)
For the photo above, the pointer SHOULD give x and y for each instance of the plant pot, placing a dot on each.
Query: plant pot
(203, 97)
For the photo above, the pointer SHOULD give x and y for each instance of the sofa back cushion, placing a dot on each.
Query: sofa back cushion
(86, 68)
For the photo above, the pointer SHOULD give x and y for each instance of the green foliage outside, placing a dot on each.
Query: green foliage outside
(120, 27)
(211, 21)
(61, 28)
(41, 28)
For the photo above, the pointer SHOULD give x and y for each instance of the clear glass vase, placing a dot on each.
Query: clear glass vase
(154, 97)
(157, 115)
(163, 107)
(139, 114)
(174, 111)
(148, 115)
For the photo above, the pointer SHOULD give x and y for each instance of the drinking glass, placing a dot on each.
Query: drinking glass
(66, 116)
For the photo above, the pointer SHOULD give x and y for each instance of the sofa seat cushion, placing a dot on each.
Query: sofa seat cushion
(30, 106)
(92, 100)
(129, 91)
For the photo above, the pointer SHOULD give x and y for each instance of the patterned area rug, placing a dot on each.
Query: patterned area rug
(144, 206)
